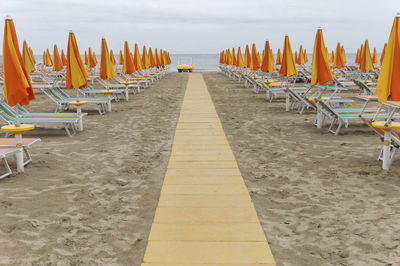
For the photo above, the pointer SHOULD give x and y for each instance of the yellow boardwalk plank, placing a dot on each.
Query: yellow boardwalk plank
(205, 215)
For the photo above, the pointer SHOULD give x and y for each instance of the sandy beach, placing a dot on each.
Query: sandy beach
(321, 199)
(90, 199)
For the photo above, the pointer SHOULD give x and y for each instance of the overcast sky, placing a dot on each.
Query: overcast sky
(201, 26)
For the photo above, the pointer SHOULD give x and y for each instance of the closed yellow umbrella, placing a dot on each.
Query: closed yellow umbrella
(57, 66)
(106, 67)
(86, 59)
(278, 57)
(338, 59)
(321, 70)
(239, 61)
(32, 56)
(121, 58)
(152, 61)
(247, 57)
(366, 64)
(137, 59)
(375, 57)
(255, 63)
(301, 56)
(145, 58)
(112, 58)
(91, 62)
(27, 58)
(94, 58)
(388, 87)
(383, 53)
(156, 58)
(48, 58)
(63, 58)
(76, 72)
(288, 66)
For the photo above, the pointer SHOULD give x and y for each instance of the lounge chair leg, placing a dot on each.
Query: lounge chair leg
(28, 156)
(8, 169)
(67, 130)
(386, 150)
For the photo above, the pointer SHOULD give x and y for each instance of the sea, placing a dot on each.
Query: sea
(201, 62)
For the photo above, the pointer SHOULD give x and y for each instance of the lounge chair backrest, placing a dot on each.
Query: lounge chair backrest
(52, 95)
(6, 114)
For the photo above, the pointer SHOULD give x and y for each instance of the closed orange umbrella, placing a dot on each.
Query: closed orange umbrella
(239, 61)
(63, 59)
(57, 66)
(17, 87)
(332, 59)
(32, 56)
(267, 61)
(27, 59)
(156, 57)
(255, 64)
(106, 67)
(86, 59)
(76, 72)
(169, 58)
(301, 56)
(288, 66)
(344, 55)
(357, 60)
(388, 87)
(247, 57)
(366, 59)
(305, 56)
(112, 58)
(383, 53)
(321, 70)
(375, 57)
(94, 58)
(151, 56)
(137, 59)
(44, 58)
(338, 60)
(91, 62)
(296, 57)
(278, 57)
(128, 66)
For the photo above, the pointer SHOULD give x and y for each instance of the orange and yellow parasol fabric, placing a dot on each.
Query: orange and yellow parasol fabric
(288, 66)
(76, 72)
(128, 67)
(17, 87)
(106, 66)
(321, 70)
(63, 59)
(57, 66)
(366, 64)
(137, 60)
(27, 58)
(267, 61)
(338, 60)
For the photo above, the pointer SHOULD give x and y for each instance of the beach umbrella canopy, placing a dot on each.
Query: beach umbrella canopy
(267, 61)
(161, 57)
(121, 58)
(278, 57)
(338, 60)
(156, 57)
(366, 64)
(91, 62)
(145, 58)
(332, 59)
(255, 63)
(296, 57)
(221, 58)
(128, 66)
(344, 55)
(239, 61)
(138, 61)
(86, 59)
(76, 72)
(301, 56)
(17, 88)
(27, 58)
(151, 58)
(94, 58)
(375, 59)
(321, 70)
(357, 60)
(388, 86)
(32, 56)
(234, 61)
(288, 66)
(57, 66)
(305, 56)
(48, 58)
(112, 58)
(228, 57)
(247, 57)
(63, 59)
(383, 53)
(106, 67)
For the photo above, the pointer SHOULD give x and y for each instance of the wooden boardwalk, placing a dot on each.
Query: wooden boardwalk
(205, 215)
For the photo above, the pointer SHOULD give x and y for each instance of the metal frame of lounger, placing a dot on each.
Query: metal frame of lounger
(62, 100)
(89, 91)
(27, 143)
(134, 85)
(10, 118)
(364, 87)
(4, 153)
(22, 111)
(302, 99)
(340, 119)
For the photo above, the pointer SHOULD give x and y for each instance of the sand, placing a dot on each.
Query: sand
(321, 199)
(90, 199)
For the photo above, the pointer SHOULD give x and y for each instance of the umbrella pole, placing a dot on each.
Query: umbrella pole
(287, 95)
(19, 157)
(386, 150)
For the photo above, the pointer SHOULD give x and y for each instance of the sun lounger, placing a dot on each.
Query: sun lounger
(10, 118)
(364, 88)
(27, 143)
(4, 153)
(62, 100)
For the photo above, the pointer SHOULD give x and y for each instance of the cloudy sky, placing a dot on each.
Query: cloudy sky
(205, 26)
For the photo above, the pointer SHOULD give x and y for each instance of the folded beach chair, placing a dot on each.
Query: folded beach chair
(27, 143)
(4, 153)
(62, 100)
(11, 118)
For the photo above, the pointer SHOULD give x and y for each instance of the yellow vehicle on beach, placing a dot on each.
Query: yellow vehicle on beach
(185, 64)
